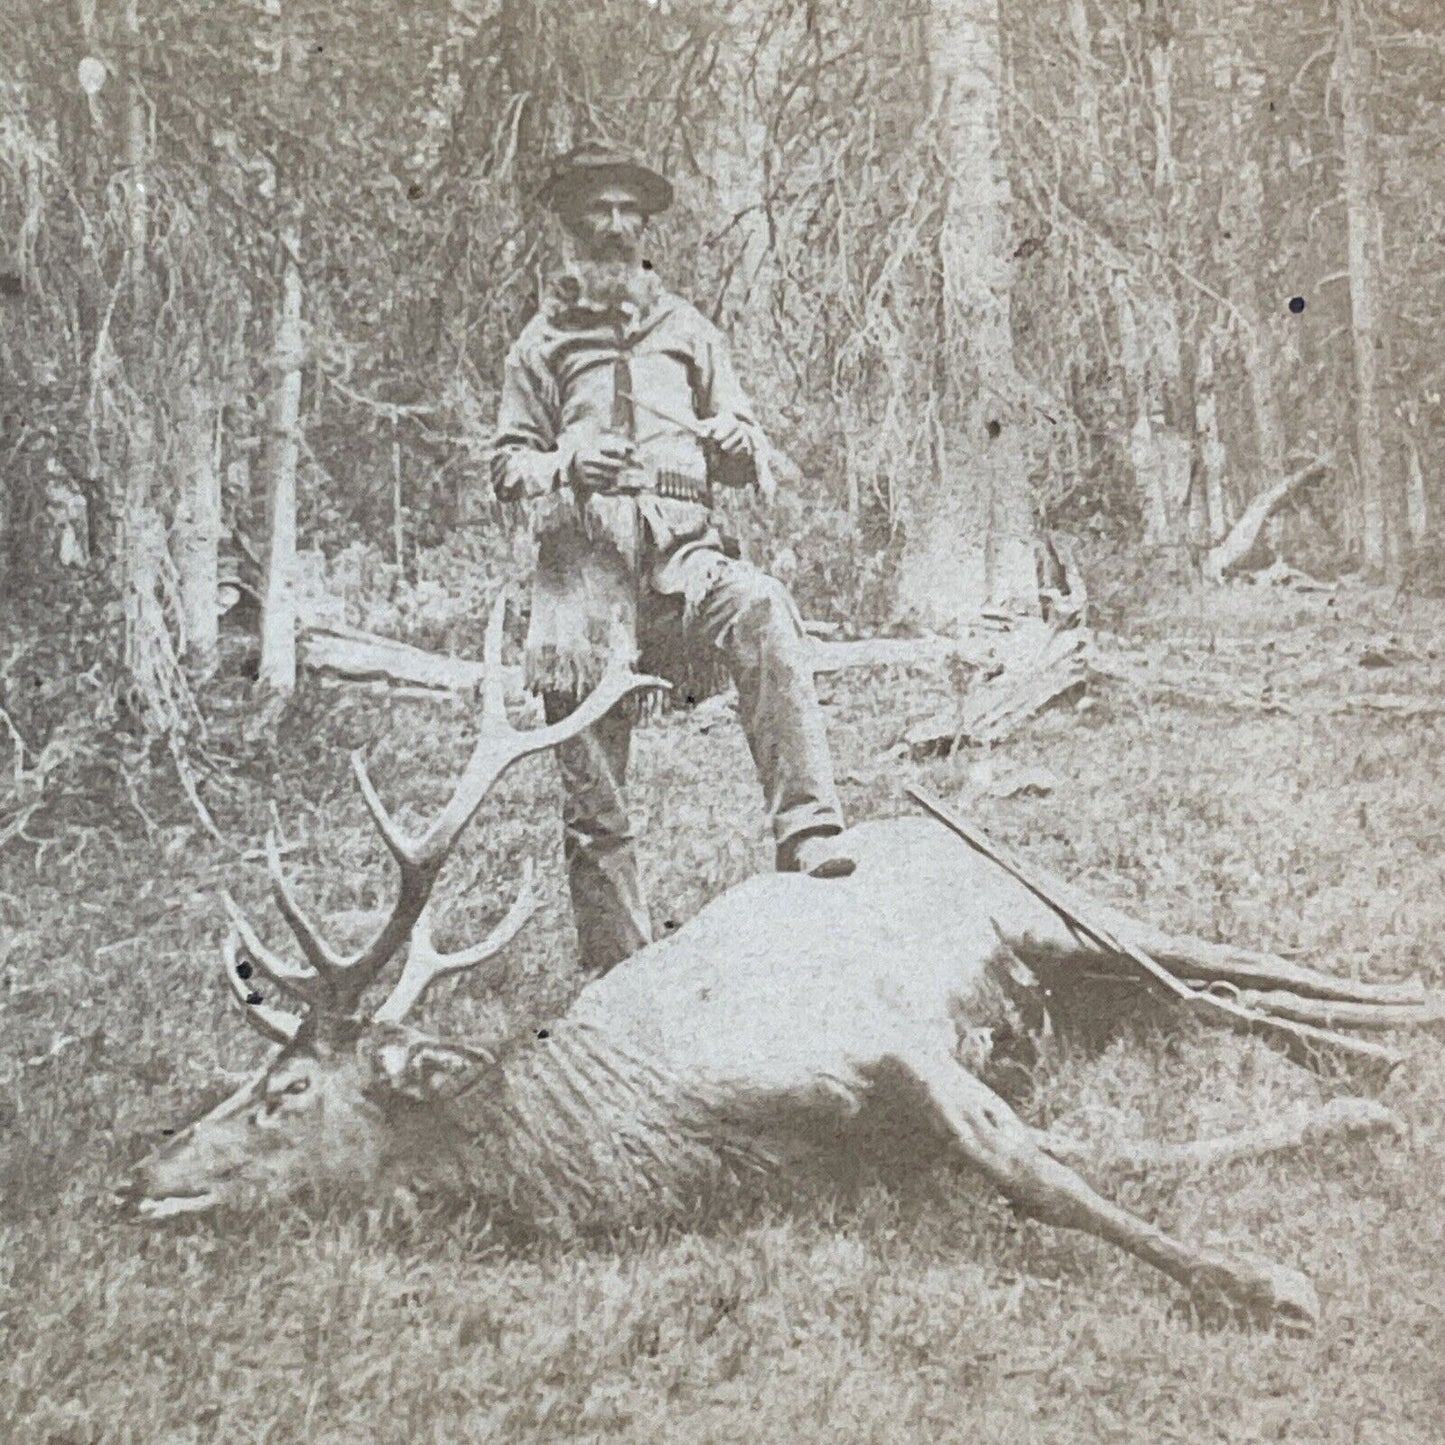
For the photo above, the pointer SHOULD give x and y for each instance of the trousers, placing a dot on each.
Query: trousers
(750, 618)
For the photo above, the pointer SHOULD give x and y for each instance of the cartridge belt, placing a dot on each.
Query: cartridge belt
(681, 487)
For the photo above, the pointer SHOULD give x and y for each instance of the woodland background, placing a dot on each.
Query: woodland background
(1118, 268)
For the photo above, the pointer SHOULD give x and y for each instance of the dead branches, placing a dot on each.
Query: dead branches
(27, 783)
(1040, 666)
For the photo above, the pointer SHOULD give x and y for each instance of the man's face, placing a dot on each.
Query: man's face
(608, 222)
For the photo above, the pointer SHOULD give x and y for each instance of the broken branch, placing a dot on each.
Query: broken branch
(1245, 533)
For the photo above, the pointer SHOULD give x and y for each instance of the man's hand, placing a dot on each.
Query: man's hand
(599, 461)
(729, 435)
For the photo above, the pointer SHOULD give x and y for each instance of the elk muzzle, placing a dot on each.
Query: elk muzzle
(200, 1168)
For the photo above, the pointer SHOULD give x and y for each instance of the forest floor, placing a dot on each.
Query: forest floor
(925, 1313)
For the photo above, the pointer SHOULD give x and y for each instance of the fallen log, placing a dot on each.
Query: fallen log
(1054, 669)
(1280, 574)
(1229, 553)
(352, 655)
(357, 656)
(1057, 672)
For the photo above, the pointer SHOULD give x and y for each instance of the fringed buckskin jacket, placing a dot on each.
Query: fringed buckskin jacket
(580, 368)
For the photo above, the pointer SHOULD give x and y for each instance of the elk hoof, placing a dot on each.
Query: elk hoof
(1269, 1295)
(1292, 1304)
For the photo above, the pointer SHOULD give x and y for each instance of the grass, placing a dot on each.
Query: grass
(928, 1313)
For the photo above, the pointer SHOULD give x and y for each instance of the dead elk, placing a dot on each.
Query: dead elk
(779, 1016)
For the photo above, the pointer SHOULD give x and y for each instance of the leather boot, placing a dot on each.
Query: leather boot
(818, 854)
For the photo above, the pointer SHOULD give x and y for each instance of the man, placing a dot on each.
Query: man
(619, 413)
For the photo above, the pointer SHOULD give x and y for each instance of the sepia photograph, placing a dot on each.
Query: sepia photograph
(721, 721)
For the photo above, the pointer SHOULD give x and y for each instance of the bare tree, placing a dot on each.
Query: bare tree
(1355, 69)
(970, 538)
(1239, 234)
(278, 607)
(196, 533)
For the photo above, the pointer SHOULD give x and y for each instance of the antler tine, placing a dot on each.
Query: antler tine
(319, 954)
(275, 1024)
(398, 844)
(617, 682)
(419, 862)
(424, 965)
(307, 987)
(417, 877)
(497, 750)
(418, 873)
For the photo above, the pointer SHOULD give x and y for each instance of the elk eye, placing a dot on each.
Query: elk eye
(297, 1086)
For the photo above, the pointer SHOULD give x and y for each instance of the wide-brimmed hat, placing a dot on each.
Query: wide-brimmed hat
(587, 166)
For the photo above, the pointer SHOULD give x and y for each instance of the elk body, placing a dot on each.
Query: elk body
(765, 1031)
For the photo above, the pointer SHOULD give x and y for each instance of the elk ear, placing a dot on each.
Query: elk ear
(427, 1070)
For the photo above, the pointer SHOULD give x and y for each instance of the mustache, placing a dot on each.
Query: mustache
(615, 248)
(620, 279)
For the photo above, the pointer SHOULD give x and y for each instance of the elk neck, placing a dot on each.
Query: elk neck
(574, 1129)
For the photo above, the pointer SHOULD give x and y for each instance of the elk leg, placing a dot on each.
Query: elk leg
(1040, 936)
(1296, 1128)
(992, 1138)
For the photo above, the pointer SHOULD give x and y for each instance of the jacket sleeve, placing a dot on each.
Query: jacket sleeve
(720, 393)
(525, 459)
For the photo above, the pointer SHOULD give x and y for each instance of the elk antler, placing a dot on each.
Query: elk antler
(334, 982)
(424, 965)
(271, 1023)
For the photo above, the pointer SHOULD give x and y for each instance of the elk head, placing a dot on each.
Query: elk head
(350, 1096)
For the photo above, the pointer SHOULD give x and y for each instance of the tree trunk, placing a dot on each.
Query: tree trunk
(1355, 67)
(137, 131)
(1159, 451)
(277, 671)
(398, 504)
(148, 586)
(970, 540)
(1211, 448)
(196, 536)
(1241, 244)
(1160, 448)
(1086, 91)
(1417, 509)
(143, 561)
(1148, 476)
(1160, 65)
(1235, 548)
(278, 603)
